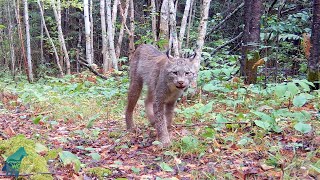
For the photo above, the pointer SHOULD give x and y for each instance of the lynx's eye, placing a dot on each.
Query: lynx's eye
(175, 72)
(188, 73)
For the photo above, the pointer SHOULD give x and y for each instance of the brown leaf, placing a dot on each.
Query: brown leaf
(266, 167)
(9, 131)
(260, 62)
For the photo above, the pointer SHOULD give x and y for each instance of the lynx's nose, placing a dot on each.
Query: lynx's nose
(180, 85)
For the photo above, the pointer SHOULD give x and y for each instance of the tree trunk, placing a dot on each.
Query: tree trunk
(50, 40)
(57, 15)
(189, 24)
(202, 30)
(314, 60)
(124, 15)
(154, 20)
(173, 29)
(164, 19)
(11, 42)
(91, 31)
(24, 56)
(184, 23)
(105, 54)
(131, 35)
(251, 40)
(111, 36)
(114, 16)
(26, 21)
(87, 25)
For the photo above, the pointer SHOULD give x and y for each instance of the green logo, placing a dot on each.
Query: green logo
(13, 162)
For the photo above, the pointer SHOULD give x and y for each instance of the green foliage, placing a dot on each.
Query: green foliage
(99, 172)
(165, 167)
(69, 158)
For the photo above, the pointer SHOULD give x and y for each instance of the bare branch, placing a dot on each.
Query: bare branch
(226, 18)
(226, 43)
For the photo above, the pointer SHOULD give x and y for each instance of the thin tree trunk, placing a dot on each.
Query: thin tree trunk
(11, 42)
(26, 21)
(57, 14)
(50, 39)
(184, 23)
(114, 16)
(111, 36)
(91, 31)
(314, 60)
(164, 19)
(105, 54)
(173, 29)
(189, 24)
(24, 56)
(154, 20)
(79, 47)
(124, 15)
(131, 35)
(202, 29)
(87, 32)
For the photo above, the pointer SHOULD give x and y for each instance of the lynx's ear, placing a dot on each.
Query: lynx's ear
(168, 54)
(192, 57)
(170, 58)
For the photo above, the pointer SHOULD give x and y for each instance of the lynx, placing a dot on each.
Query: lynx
(166, 78)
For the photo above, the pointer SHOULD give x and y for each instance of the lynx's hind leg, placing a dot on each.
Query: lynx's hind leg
(149, 107)
(134, 92)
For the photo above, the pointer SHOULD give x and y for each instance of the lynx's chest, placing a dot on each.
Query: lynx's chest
(173, 94)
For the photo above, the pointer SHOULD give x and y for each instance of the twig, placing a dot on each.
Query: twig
(84, 63)
(31, 174)
(209, 124)
(226, 43)
(225, 19)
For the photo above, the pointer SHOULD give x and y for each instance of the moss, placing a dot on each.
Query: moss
(99, 172)
(53, 154)
(32, 163)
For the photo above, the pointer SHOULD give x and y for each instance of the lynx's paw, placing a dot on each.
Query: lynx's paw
(166, 142)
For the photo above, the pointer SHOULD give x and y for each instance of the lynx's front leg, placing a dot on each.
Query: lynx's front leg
(169, 110)
(161, 124)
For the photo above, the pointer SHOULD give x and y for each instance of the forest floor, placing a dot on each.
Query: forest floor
(236, 149)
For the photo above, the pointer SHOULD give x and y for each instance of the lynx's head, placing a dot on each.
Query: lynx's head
(180, 72)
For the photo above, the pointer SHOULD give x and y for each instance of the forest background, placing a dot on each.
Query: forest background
(254, 111)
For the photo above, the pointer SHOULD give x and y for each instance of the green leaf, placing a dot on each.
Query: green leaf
(293, 88)
(280, 90)
(37, 119)
(165, 167)
(135, 170)
(40, 148)
(206, 109)
(264, 125)
(69, 158)
(264, 116)
(315, 168)
(303, 128)
(243, 141)
(95, 156)
(299, 100)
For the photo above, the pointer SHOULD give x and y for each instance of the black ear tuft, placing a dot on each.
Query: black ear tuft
(168, 53)
(193, 56)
